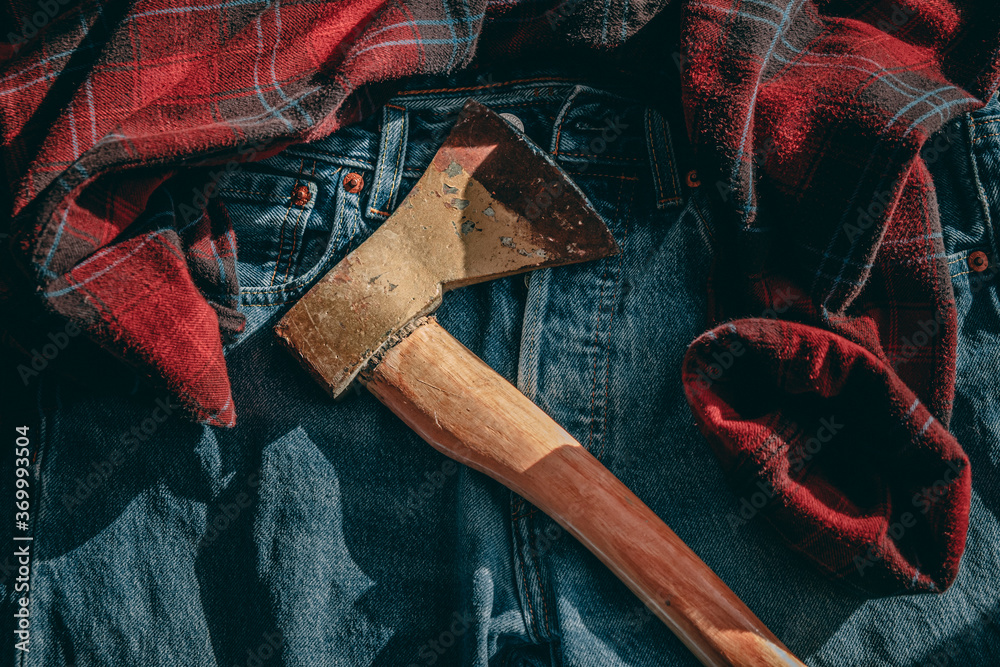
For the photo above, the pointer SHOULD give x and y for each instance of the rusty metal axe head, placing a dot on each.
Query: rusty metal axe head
(490, 204)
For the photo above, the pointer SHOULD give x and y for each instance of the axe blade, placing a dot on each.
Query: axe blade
(490, 204)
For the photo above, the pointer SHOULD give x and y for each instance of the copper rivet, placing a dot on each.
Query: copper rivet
(301, 195)
(978, 261)
(692, 179)
(353, 182)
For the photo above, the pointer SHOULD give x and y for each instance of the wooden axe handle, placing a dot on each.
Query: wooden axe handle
(467, 411)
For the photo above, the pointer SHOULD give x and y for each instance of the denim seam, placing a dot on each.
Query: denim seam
(605, 157)
(251, 192)
(543, 594)
(621, 177)
(295, 292)
(672, 167)
(396, 180)
(652, 153)
(338, 156)
(506, 105)
(561, 117)
(652, 117)
(291, 251)
(696, 209)
(985, 122)
(395, 135)
(416, 93)
(986, 136)
(281, 239)
(295, 233)
(522, 574)
(597, 334)
(528, 354)
(597, 338)
(611, 320)
(383, 147)
(977, 183)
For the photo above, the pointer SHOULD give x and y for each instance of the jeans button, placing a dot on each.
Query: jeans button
(301, 195)
(353, 183)
(978, 261)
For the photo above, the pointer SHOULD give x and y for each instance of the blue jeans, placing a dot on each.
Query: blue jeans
(320, 533)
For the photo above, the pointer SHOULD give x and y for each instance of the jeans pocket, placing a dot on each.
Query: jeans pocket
(279, 235)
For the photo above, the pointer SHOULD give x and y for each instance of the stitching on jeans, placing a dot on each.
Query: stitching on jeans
(524, 585)
(295, 236)
(504, 105)
(961, 274)
(491, 85)
(985, 122)
(618, 176)
(396, 176)
(381, 161)
(597, 337)
(559, 131)
(670, 155)
(372, 209)
(249, 192)
(541, 586)
(603, 157)
(956, 261)
(281, 239)
(291, 252)
(701, 218)
(533, 346)
(519, 504)
(986, 136)
(311, 149)
(611, 321)
(340, 227)
(653, 152)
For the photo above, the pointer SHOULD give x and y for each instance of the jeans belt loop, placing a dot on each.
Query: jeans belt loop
(666, 182)
(391, 157)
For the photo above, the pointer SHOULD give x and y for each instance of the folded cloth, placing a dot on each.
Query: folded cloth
(822, 438)
(812, 120)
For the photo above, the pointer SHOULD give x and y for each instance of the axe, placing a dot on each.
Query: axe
(492, 204)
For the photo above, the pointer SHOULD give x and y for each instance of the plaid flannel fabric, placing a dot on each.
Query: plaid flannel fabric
(808, 117)
(811, 119)
(842, 457)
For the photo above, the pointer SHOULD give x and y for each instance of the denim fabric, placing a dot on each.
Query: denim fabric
(320, 533)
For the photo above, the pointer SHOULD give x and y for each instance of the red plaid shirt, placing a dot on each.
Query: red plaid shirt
(808, 118)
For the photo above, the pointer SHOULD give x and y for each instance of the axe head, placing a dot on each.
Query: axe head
(490, 204)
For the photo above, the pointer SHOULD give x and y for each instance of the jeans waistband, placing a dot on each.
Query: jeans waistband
(589, 131)
(299, 212)
(964, 161)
